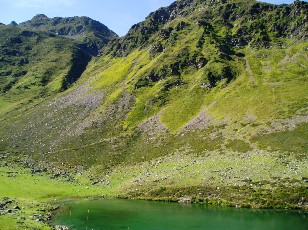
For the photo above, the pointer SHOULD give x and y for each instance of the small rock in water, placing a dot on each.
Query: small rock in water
(59, 227)
(185, 200)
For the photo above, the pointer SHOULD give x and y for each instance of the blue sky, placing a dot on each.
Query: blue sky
(118, 15)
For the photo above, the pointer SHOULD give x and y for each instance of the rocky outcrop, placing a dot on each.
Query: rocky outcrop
(185, 200)
(282, 20)
(61, 227)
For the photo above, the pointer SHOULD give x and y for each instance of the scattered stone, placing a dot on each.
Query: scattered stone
(305, 179)
(185, 200)
(60, 227)
(16, 208)
(33, 171)
(9, 211)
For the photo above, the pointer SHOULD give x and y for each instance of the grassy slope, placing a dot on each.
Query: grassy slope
(39, 68)
(237, 133)
(250, 150)
(37, 195)
(276, 82)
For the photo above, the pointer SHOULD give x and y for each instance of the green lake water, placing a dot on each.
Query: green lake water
(146, 215)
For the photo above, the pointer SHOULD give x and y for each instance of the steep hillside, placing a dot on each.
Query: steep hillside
(36, 62)
(204, 98)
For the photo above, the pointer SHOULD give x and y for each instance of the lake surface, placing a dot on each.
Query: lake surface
(146, 215)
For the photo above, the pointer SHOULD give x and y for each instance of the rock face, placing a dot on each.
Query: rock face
(90, 33)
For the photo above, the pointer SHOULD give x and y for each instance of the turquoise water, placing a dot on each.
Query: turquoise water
(146, 215)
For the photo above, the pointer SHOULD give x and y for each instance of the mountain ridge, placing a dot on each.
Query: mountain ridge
(229, 11)
(92, 34)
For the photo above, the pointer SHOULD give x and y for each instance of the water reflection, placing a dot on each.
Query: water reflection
(144, 215)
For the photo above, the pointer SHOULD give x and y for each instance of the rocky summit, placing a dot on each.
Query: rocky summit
(90, 33)
(204, 99)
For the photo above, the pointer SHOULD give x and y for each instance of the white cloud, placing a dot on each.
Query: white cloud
(39, 3)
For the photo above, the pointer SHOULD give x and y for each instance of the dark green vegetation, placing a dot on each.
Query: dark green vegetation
(206, 99)
(36, 63)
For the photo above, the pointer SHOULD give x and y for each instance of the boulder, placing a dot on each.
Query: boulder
(185, 200)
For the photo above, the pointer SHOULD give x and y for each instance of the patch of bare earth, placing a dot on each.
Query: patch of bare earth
(153, 126)
(293, 58)
(81, 96)
(201, 121)
(252, 80)
(83, 102)
(287, 124)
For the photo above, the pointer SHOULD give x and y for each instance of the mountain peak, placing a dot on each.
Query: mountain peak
(39, 16)
(13, 23)
(92, 34)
